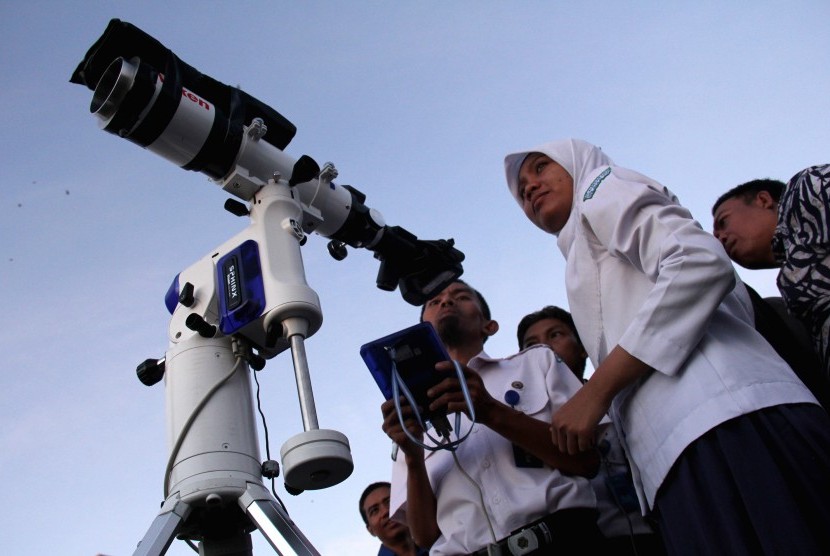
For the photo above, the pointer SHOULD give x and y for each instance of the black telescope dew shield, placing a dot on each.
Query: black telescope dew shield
(145, 93)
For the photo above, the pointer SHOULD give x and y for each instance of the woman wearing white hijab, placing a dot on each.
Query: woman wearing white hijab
(725, 443)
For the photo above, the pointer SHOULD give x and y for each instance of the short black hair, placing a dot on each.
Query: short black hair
(485, 309)
(366, 492)
(548, 312)
(749, 190)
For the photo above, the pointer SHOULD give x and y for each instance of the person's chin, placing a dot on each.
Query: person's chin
(393, 526)
(447, 320)
(749, 263)
(393, 530)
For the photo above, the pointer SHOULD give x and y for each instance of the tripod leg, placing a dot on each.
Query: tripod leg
(269, 517)
(163, 529)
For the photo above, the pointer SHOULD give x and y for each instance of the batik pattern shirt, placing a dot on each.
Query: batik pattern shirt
(801, 245)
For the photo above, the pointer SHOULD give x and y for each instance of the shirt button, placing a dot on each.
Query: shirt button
(486, 464)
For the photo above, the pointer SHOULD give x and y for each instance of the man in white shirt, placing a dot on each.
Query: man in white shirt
(505, 484)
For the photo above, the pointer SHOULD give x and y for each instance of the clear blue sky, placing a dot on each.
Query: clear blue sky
(416, 103)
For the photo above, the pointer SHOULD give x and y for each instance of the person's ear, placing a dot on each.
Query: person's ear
(491, 327)
(765, 200)
(369, 528)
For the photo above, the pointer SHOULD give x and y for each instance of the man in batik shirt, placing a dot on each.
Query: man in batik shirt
(763, 224)
(801, 246)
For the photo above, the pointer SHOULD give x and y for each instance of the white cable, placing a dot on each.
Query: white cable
(190, 420)
(399, 386)
(480, 496)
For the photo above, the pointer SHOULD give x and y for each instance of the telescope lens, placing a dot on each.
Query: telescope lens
(112, 87)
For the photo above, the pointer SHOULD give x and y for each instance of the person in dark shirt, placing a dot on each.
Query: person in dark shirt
(393, 535)
(765, 224)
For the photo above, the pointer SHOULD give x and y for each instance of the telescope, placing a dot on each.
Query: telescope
(146, 94)
(247, 300)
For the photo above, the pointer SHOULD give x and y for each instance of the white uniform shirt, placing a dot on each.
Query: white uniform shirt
(642, 274)
(666, 293)
(512, 496)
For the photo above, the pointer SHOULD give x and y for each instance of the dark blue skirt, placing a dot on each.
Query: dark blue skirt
(757, 484)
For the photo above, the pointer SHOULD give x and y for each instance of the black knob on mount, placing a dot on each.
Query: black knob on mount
(200, 325)
(236, 208)
(337, 249)
(270, 469)
(186, 297)
(150, 371)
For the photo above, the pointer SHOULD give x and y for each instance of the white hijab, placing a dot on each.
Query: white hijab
(579, 158)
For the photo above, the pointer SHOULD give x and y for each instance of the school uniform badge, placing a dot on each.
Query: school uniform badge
(595, 184)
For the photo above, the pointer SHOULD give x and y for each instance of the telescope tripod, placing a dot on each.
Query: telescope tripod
(256, 505)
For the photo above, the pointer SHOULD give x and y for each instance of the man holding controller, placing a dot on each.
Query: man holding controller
(505, 487)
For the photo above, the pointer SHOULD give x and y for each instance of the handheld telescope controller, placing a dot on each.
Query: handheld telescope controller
(247, 300)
